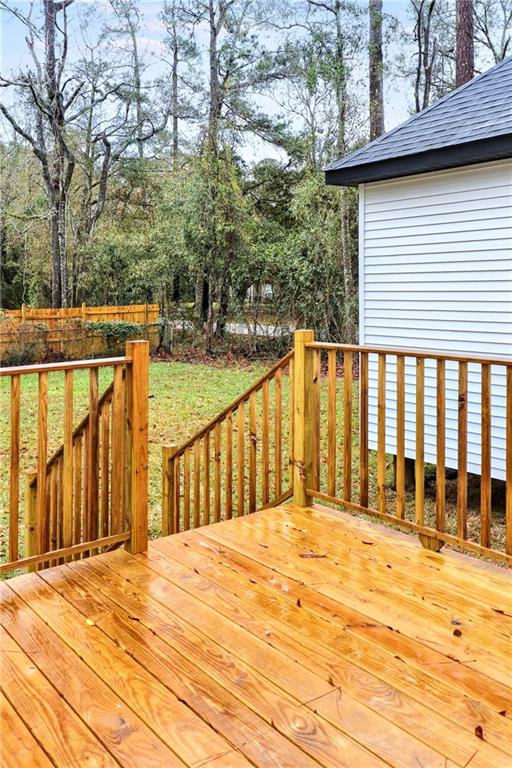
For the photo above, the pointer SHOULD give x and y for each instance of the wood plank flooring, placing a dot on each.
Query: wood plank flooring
(286, 639)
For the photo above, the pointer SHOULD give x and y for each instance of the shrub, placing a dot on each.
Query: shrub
(116, 333)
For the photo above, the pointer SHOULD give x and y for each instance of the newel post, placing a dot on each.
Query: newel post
(137, 374)
(303, 377)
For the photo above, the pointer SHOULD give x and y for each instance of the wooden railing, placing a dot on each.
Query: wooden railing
(396, 403)
(236, 464)
(92, 493)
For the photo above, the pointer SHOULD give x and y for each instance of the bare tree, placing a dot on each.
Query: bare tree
(78, 120)
(376, 73)
(48, 97)
(465, 42)
(493, 27)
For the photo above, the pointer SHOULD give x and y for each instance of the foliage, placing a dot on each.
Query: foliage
(194, 187)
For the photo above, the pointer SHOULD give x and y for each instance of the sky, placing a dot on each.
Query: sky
(13, 55)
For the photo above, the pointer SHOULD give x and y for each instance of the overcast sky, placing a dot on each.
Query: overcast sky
(13, 54)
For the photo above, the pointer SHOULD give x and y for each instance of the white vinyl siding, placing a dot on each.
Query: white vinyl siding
(436, 274)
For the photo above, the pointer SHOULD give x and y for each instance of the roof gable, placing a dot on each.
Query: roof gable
(461, 128)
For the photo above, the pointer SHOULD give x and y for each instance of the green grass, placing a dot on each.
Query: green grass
(183, 397)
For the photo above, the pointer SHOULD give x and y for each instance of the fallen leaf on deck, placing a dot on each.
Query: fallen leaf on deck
(313, 554)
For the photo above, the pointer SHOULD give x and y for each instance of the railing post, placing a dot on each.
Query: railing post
(31, 537)
(168, 490)
(303, 432)
(137, 432)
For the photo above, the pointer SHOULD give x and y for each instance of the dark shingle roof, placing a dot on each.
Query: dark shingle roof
(464, 127)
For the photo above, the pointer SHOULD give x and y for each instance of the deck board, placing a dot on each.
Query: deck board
(286, 639)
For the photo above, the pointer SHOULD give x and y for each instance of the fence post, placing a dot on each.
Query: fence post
(84, 312)
(303, 433)
(23, 312)
(169, 523)
(137, 433)
(31, 542)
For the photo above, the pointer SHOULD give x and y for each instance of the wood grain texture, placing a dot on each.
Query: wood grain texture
(14, 468)
(284, 639)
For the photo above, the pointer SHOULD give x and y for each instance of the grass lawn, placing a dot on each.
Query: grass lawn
(183, 398)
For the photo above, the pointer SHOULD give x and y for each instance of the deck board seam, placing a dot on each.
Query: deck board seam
(367, 639)
(339, 601)
(111, 688)
(65, 702)
(167, 556)
(286, 694)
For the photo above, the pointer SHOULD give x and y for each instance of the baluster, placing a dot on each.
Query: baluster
(400, 436)
(229, 466)
(67, 490)
(77, 491)
(291, 421)
(347, 426)
(14, 473)
(118, 451)
(197, 483)
(216, 472)
(92, 456)
(441, 447)
(253, 437)
(462, 463)
(363, 429)
(278, 433)
(331, 422)
(105, 467)
(264, 444)
(206, 479)
(381, 434)
(186, 490)
(420, 442)
(86, 533)
(168, 492)
(315, 418)
(31, 527)
(177, 494)
(42, 458)
(241, 460)
(508, 461)
(485, 489)
(54, 512)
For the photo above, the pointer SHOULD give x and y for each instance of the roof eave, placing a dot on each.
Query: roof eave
(468, 153)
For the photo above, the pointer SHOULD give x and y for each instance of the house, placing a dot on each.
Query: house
(435, 238)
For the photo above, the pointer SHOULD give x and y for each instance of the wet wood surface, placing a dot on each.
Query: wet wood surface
(288, 638)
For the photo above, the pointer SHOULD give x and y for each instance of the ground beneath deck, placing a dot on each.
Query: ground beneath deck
(288, 638)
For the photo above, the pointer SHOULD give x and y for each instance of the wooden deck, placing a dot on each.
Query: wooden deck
(290, 638)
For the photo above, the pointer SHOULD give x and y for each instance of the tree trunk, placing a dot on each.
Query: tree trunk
(53, 224)
(174, 99)
(376, 70)
(465, 42)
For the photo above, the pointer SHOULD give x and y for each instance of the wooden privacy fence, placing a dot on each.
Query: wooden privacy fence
(132, 313)
(337, 421)
(92, 493)
(68, 340)
(236, 464)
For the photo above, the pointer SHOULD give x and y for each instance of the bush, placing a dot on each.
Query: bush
(116, 333)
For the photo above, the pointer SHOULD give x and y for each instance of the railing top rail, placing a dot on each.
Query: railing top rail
(234, 405)
(422, 354)
(103, 362)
